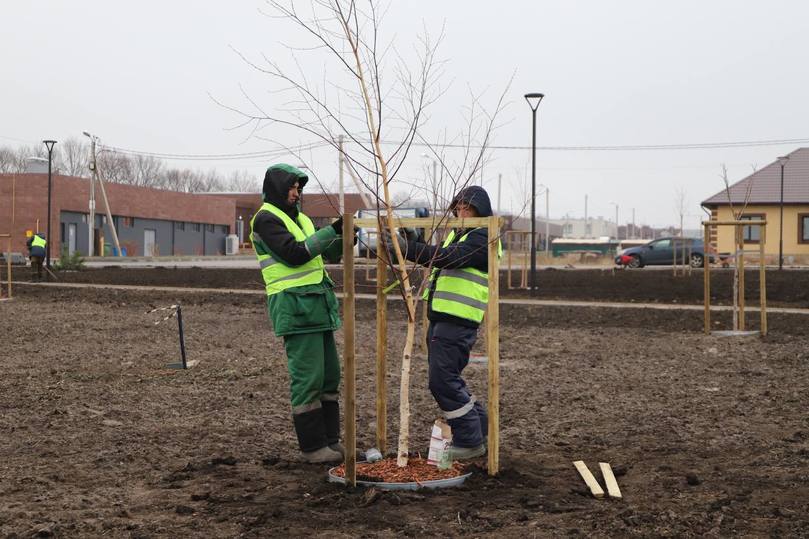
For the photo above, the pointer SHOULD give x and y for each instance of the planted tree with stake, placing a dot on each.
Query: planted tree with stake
(376, 97)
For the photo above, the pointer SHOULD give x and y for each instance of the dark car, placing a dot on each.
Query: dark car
(661, 253)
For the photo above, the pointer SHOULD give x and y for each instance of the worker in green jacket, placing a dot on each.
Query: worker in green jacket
(302, 307)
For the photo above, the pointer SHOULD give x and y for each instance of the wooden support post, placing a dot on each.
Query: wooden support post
(381, 348)
(508, 262)
(762, 278)
(493, 342)
(707, 277)
(348, 354)
(526, 256)
(740, 265)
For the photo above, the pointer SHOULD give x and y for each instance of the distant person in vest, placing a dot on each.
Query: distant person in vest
(457, 296)
(36, 252)
(302, 307)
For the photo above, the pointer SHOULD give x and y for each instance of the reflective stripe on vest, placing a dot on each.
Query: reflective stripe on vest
(460, 292)
(276, 274)
(38, 241)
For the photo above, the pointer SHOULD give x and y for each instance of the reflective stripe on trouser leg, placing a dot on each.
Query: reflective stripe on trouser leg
(449, 349)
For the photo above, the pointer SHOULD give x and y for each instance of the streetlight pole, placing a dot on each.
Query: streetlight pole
(617, 226)
(782, 161)
(533, 100)
(49, 144)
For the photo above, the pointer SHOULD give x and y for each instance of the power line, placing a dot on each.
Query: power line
(216, 157)
(629, 147)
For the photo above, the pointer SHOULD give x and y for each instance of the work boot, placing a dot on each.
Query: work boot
(331, 417)
(324, 454)
(466, 453)
(311, 430)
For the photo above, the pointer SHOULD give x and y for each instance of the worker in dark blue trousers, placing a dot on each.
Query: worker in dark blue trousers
(457, 296)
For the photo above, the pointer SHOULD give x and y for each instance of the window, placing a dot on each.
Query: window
(127, 222)
(180, 225)
(803, 228)
(662, 244)
(209, 227)
(752, 234)
(195, 227)
(225, 229)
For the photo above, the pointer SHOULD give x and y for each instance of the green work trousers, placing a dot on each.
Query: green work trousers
(314, 369)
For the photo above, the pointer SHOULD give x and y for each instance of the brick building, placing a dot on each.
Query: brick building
(149, 222)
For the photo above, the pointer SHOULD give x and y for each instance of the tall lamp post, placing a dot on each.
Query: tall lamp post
(617, 226)
(533, 101)
(782, 161)
(49, 144)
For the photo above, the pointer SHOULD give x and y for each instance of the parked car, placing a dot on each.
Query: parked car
(660, 252)
(366, 244)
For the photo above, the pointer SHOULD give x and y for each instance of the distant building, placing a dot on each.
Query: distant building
(149, 222)
(759, 196)
(596, 227)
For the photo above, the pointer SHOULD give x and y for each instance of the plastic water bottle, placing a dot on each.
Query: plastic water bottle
(373, 455)
(445, 462)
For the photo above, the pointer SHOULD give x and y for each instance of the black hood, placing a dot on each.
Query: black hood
(277, 181)
(476, 197)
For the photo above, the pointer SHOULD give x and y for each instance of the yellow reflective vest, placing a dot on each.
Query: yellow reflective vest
(276, 274)
(38, 241)
(460, 292)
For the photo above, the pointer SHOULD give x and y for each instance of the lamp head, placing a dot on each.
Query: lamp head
(783, 160)
(49, 144)
(534, 99)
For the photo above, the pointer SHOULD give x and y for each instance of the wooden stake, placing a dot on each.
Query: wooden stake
(762, 285)
(592, 484)
(707, 277)
(493, 342)
(381, 348)
(740, 263)
(609, 480)
(348, 354)
(508, 261)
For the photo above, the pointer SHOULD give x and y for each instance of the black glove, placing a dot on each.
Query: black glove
(388, 240)
(338, 226)
(356, 231)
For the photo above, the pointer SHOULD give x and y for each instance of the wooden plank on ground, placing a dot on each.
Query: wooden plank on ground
(609, 480)
(585, 474)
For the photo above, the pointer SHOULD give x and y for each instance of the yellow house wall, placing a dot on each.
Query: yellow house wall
(771, 215)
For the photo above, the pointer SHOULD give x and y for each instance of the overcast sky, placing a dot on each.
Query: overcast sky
(140, 75)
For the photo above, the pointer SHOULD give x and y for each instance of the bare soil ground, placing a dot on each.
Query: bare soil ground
(789, 288)
(709, 436)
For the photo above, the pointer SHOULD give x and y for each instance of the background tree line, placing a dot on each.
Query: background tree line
(72, 157)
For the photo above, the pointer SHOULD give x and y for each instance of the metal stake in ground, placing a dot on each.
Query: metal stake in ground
(184, 364)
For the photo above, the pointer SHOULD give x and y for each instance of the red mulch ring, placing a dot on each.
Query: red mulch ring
(416, 471)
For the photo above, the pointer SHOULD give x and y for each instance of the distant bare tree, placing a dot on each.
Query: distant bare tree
(8, 160)
(73, 157)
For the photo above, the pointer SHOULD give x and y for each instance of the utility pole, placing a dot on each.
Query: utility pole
(634, 230)
(91, 222)
(96, 178)
(585, 216)
(341, 159)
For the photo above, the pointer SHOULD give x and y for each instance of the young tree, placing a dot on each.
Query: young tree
(375, 97)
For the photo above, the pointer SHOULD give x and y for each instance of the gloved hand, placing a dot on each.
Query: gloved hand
(338, 226)
(356, 231)
(410, 234)
(389, 240)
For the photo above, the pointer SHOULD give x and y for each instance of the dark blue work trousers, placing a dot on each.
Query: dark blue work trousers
(448, 353)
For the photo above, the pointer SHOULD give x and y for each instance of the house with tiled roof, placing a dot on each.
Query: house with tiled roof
(763, 195)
